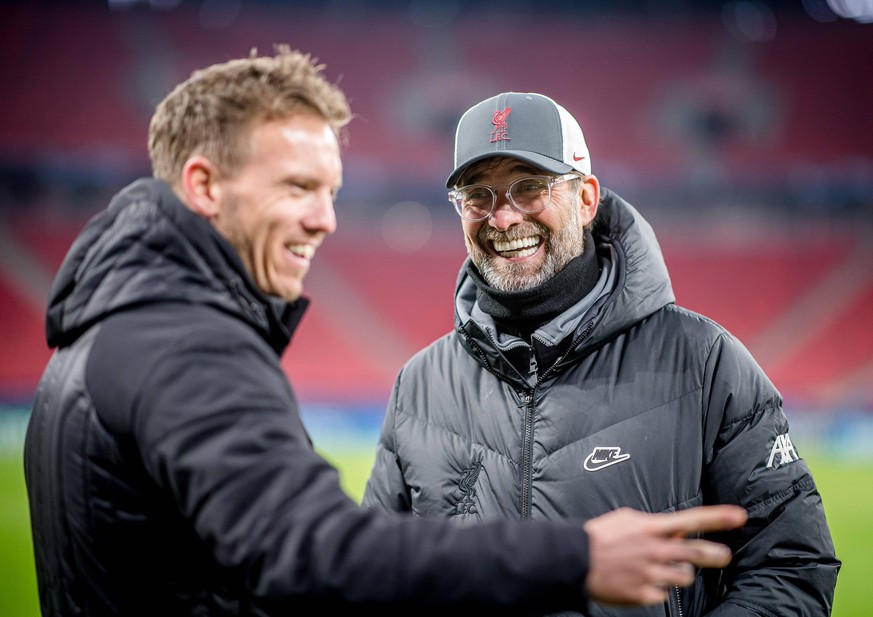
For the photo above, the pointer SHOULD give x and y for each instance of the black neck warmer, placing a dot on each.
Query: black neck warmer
(522, 312)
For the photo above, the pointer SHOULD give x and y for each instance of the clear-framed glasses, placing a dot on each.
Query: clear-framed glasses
(529, 195)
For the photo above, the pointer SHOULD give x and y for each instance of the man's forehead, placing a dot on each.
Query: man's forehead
(503, 164)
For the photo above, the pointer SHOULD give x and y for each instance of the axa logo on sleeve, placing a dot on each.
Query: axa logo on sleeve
(782, 452)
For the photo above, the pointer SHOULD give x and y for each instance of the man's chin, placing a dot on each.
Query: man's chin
(512, 276)
(287, 293)
(293, 296)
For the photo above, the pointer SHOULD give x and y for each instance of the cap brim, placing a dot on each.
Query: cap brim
(545, 162)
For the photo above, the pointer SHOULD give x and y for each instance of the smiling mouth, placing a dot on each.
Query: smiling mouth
(522, 247)
(306, 251)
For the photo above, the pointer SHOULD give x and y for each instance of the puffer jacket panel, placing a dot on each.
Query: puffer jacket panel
(586, 445)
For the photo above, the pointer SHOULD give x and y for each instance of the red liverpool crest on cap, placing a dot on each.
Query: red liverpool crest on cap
(501, 129)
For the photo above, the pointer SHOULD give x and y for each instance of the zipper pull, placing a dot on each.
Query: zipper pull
(533, 362)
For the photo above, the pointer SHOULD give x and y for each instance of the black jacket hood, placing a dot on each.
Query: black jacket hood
(187, 261)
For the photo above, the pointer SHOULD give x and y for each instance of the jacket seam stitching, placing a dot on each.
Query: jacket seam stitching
(803, 483)
(445, 429)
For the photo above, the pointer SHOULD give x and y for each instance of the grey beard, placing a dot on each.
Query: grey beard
(560, 248)
(517, 280)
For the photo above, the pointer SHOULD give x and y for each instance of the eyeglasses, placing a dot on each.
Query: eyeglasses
(528, 195)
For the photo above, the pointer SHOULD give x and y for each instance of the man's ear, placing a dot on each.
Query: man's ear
(200, 187)
(589, 194)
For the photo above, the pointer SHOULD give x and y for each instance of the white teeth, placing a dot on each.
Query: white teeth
(521, 253)
(306, 251)
(522, 247)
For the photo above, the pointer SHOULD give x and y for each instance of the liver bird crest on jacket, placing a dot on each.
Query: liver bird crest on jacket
(467, 484)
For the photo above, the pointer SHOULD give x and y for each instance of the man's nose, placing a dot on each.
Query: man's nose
(322, 215)
(504, 215)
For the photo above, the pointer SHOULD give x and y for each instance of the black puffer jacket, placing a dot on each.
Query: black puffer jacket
(169, 473)
(632, 402)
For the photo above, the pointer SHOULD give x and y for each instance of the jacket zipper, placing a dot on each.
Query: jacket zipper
(527, 445)
(527, 456)
(527, 438)
(533, 366)
(678, 598)
(572, 346)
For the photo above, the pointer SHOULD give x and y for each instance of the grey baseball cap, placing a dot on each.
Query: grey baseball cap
(523, 125)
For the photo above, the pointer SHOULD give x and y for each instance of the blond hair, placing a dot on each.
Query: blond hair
(211, 112)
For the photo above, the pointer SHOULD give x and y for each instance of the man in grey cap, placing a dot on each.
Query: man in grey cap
(573, 384)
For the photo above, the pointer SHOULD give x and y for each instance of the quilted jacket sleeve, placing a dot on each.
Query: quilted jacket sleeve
(386, 487)
(784, 560)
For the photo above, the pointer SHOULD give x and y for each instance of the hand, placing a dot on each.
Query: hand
(635, 557)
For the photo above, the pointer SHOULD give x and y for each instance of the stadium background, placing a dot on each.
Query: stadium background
(742, 130)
